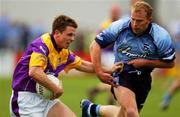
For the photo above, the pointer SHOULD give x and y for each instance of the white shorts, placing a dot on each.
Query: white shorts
(27, 104)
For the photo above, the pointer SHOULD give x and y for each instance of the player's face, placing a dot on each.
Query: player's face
(65, 38)
(139, 22)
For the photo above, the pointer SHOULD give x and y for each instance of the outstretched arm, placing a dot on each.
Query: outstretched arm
(87, 66)
(103, 73)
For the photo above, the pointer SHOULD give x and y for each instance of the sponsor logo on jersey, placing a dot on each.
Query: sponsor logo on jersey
(127, 52)
(43, 50)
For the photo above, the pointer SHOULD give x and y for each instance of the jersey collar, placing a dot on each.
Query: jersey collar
(147, 31)
(54, 44)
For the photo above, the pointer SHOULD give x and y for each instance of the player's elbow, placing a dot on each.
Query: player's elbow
(31, 72)
(171, 64)
(34, 71)
(92, 46)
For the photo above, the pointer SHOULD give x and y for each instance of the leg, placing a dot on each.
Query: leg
(173, 88)
(101, 87)
(92, 92)
(90, 109)
(168, 95)
(111, 100)
(109, 110)
(107, 88)
(126, 98)
(60, 110)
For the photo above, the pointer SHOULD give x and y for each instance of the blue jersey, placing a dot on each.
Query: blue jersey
(154, 44)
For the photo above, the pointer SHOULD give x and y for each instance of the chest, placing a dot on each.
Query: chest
(141, 45)
(57, 58)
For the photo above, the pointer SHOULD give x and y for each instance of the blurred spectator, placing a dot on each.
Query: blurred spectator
(4, 28)
(79, 45)
(107, 56)
(25, 36)
(36, 30)
(114, 14)
(14, 35)
(175, 85)
(23, 40)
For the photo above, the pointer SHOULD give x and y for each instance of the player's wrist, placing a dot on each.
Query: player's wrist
(98, 70)
(57, 93)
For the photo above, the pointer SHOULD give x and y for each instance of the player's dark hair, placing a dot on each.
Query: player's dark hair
(61, 22)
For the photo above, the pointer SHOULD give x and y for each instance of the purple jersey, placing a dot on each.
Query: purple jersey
(42, 52)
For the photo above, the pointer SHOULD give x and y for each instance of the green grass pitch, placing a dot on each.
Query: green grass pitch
(75, 88)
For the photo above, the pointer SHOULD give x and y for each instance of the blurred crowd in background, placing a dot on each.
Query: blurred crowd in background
(14, 38)
(16, 33)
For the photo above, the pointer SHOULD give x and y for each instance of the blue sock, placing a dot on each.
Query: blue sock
(94, 110)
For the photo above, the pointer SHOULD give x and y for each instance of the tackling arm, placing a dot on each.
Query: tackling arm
(87, 66)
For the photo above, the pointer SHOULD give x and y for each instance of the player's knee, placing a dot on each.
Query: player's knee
(132, 112)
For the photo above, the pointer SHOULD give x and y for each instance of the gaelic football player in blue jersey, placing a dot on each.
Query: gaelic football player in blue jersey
(48, 54)
(141, 46)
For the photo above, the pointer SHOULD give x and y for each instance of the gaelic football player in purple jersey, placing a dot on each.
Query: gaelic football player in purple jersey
(48, 54)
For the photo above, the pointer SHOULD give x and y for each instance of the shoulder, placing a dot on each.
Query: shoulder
(42, 39)
(162, 40)
(120, 24)
(159, 33)
(40, 44)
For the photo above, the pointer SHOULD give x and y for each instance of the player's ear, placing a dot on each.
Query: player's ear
(57, 32)
(150, 19)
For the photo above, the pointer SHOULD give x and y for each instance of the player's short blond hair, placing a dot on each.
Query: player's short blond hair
(138, 6)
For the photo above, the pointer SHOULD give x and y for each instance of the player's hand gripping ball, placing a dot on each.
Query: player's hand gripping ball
(43, 91)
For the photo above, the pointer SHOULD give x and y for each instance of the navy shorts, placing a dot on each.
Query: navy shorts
(140, 84)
